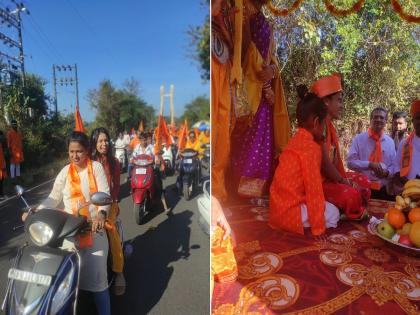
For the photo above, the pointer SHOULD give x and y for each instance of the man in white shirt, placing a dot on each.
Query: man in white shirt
(372, 153)
(407, 161)
(142, 147)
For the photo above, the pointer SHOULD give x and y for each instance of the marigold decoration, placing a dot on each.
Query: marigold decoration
(409, 18)
(338, 12)
(284, 12)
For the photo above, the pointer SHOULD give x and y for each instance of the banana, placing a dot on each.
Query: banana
(407, 201)
(400, 201)
(412, 183)
(412, 192)
(413, 204)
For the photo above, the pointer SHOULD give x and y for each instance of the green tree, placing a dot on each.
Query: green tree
(119, 109)
(375, 50)
(197, 109)
(200, 41)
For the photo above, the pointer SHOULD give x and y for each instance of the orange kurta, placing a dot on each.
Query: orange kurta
(14, 142)
(333, 147)
(297, 181)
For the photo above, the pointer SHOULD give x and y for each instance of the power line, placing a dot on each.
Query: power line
(90, 28)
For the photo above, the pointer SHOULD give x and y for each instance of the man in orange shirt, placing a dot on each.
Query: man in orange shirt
(14, 143)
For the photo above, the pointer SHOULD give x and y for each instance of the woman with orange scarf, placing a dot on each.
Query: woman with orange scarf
(296, 194)
(348, 191)
(73, 186)
(101, 151)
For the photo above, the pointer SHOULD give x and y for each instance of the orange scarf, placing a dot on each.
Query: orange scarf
(407, 156)
(76, 195)
(376, 155)
(332, 139)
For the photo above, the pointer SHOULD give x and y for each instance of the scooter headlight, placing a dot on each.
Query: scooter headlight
(41, 233)
(63, 292)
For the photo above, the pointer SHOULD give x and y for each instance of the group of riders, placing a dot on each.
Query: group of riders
(93, 167)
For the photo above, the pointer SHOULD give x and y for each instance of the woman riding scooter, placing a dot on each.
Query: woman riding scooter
(73, 186)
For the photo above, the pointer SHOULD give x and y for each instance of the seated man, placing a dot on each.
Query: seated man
(399, 128)
(372, 153)
(347, 191)
(406, 164)
(296, 194)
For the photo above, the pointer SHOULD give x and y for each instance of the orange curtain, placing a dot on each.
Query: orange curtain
(79, 121)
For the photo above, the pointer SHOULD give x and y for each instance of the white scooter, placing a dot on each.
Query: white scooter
(121, 155)
(168, 159)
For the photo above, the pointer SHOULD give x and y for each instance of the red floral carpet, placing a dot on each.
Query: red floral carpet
(347, 271)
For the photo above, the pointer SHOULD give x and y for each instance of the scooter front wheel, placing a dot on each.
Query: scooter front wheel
(140, 211)
(186, 191)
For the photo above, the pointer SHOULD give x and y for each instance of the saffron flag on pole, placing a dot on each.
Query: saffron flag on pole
(162, 134)
(141, 126)
(182, 135)
(79, 121)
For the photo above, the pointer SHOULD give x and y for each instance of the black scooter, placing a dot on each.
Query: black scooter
(189, 173)
(44, 279)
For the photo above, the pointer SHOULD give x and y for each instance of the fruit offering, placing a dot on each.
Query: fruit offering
(401, 223)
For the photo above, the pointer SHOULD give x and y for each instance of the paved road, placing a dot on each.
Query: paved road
(168, 271)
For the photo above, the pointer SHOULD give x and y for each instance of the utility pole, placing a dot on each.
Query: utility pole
(55, 91)
(77, 85)
(20, 8)
(13, 19)
(65, 80)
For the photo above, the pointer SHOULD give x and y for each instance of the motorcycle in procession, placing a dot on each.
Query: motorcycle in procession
(206, 157)
(144, 190)
(121, 155)
(189, 173)
(168, 159)
(44, 279)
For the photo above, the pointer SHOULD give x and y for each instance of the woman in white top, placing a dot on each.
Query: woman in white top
(73, 186)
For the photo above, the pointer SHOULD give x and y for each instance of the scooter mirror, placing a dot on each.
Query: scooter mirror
(19, 190)
(100, 199)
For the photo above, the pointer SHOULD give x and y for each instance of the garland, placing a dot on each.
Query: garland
(337, 12)
(409, 18)
(284, 12)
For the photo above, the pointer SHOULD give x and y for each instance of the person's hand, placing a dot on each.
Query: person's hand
(24, 216)
(98, 223)
(269, 95)
(266, 74)
(376, 168)
(218, 217)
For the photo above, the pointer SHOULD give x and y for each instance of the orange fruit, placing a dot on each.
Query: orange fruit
(396, 218)
(414, 215)
(415, 234)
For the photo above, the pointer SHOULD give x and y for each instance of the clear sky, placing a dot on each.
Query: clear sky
(116, 40)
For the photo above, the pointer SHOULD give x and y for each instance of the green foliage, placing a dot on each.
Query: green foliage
(197, 109)
(200, 41)
(119, 109)
(375, 50)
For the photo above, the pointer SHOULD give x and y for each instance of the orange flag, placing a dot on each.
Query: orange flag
(141, 127)
(182, 136)
(162, 135)
(79, 121)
